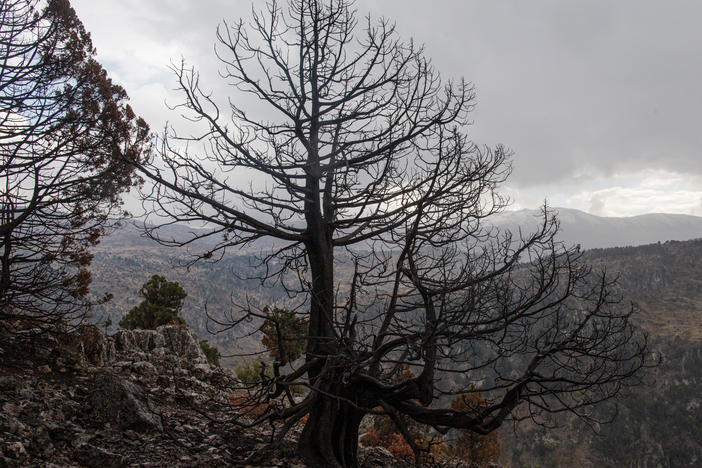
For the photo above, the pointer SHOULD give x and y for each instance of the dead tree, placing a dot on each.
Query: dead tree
(359, 166)
(65, 130)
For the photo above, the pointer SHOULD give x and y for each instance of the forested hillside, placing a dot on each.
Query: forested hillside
(665, 280)
(657, 424)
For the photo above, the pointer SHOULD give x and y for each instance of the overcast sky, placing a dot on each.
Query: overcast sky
(600, 101)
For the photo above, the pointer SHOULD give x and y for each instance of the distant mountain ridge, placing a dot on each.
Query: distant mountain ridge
(577, 227)
(590, 231)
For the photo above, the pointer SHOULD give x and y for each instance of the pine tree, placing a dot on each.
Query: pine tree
(162, 303)
(284, 334)
(66, 136)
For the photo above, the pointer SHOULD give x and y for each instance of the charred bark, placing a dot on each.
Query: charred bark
(330, 436)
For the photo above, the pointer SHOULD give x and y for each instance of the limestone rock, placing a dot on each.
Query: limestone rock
(165, 340)
(143, 368)
(95, 347)
(138, 340)
(183, 342)
(98, 413)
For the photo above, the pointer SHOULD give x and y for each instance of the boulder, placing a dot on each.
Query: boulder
(123, 403)
(90, 455)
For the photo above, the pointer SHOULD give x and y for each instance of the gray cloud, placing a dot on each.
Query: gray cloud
(579, 90)
(572, 87)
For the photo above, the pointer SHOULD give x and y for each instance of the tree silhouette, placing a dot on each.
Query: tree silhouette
(65, 131)
(359, 168)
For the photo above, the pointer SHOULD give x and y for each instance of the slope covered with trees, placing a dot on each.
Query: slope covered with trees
(655, 424)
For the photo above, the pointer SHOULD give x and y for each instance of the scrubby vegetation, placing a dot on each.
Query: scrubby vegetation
(253, 372)
(475, 449)
(211, 353)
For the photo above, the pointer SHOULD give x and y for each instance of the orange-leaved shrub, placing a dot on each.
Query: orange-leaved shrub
(385, 433)
(475, 449)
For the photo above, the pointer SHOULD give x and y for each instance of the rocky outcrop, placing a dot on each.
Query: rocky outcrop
(137, 398)
(93, 346)
(140, 398)
(163, 341)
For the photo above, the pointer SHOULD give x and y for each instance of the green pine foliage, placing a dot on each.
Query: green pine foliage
(291, 328)
(252, 372)
(162, 303)
(211, 353)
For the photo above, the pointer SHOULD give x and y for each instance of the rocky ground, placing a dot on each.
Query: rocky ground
(141, 398)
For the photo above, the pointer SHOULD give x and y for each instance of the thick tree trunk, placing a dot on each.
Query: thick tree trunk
(330, 436)
(5, 268)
